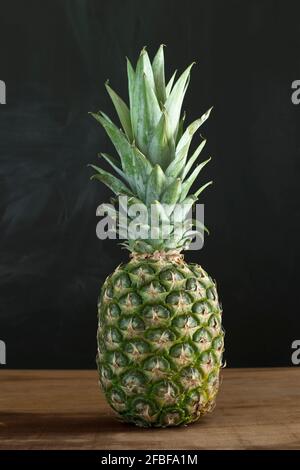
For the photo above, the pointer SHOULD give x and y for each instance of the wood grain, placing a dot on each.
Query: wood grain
(256, 409)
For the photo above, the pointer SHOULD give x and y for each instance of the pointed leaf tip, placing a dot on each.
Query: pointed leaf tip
(200, 190)
(193, 158)
(122, 111)
(175, 98)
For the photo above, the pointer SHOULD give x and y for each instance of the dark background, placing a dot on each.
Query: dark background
(55, 57)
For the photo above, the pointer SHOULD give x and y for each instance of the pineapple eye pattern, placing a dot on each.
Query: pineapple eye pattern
(112, 336)
(157, 365)
(113, 312)
(160, 346)
(171, 275)
(182, 354)
(179, 299)
(154, 314)
(200, 273)
(203, 308)
(130, 300)
(106, 376)
(208, 362)
(165, 391)
(160, 337)
(202, 339)
(117, 359)
(131, 325)
(211, 294)
(145, 410)
(106, 373)
(190, 377)
(171, 417)
(185, 323)
(196, 402)
(108, 293)
(122, 282)
(196, 288)
(212, 380)
(192, 284)
(133, 382)
(117, 399)
(136, 348)
(218, 344)
(153, 289)
(214, 324)
(142, 274)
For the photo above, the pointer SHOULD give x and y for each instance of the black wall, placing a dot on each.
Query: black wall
(55, 57)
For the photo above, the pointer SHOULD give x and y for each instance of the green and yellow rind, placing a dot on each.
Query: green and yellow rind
(160, 342)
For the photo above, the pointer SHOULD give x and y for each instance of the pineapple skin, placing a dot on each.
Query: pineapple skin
(160, 341)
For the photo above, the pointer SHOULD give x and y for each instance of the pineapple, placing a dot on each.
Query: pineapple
(160, 339)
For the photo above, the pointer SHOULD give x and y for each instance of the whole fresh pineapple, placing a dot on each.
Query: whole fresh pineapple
(160, 340)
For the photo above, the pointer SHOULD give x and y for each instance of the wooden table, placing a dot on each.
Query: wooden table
(256, 409)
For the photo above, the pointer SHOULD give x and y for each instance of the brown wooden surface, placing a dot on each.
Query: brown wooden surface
(256, 409)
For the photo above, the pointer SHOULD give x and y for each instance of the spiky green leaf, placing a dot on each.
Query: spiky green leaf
(134, 164)
(131, 81)
(170, 84)
(139, 246)
(152, 127)
(186, 185)
(175, 99)
(190, 131)
(137, 108)
(152, 110)
(192, 159)
(200, 226)
(177, 165)
(114, 163)
(147, 68)
(117, 186)
(158, 67)
(155, 184)
(162, 148)
(122, 111)
(180, 128)
(200, 190)
(200, 167)
(144, 108)
(172, 193)
(139, 168)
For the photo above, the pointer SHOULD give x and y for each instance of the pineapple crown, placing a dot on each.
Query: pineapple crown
(154, 167)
